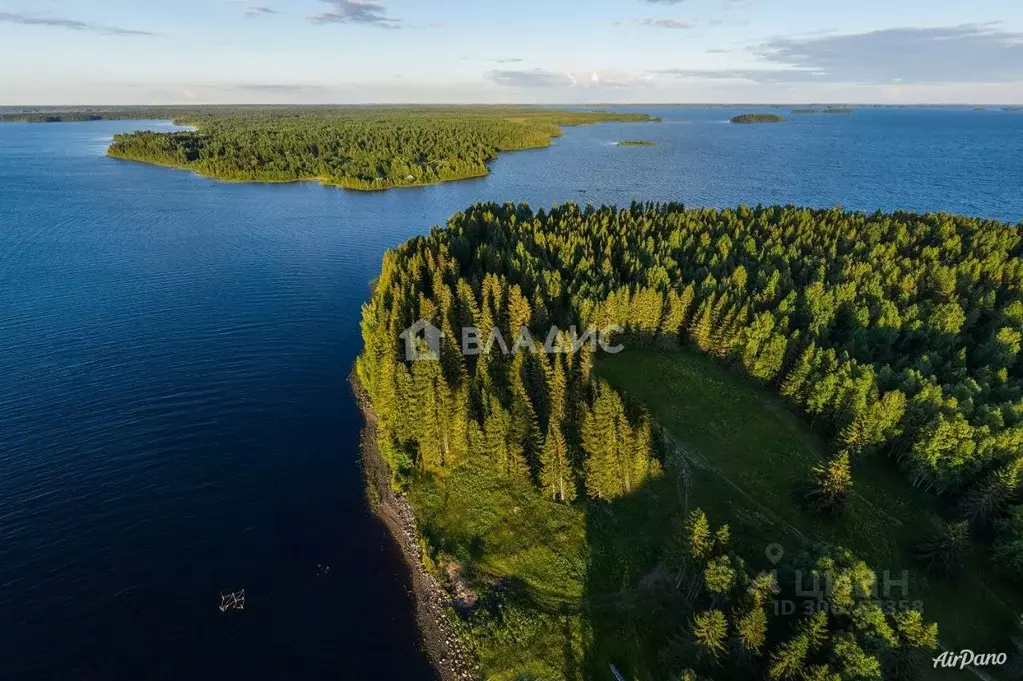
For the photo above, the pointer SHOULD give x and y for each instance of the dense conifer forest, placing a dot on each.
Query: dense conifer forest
(896, 336)
(352, 147)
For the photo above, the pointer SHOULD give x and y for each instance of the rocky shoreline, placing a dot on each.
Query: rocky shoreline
(433, 602)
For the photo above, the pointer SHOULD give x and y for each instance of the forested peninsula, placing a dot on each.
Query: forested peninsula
(366, 148)
(804, 397)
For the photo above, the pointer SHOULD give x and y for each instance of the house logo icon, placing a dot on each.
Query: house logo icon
(422, 342)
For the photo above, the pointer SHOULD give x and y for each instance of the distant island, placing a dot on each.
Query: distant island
(364, 148)
(827, 111)
(758, 118)
(637, 143)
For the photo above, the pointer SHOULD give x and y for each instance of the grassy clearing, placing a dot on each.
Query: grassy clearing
(502, 528)
(575, 610)
(580, 607)
(755, 453)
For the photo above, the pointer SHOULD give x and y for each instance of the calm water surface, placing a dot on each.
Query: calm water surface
(174, 418)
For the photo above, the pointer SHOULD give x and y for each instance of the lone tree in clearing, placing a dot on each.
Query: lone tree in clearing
(942, 552)
(831, 483)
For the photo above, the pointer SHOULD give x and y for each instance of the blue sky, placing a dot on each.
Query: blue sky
(532, 51)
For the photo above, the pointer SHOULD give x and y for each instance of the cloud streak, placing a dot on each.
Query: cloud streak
(536, 78)
(72, 24)
(277, 88)
(968, 53)
(256, 11)
(541, 78)
(667, 23)
(365, 12)
(955, 54)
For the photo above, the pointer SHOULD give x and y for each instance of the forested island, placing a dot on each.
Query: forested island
(758, 118)
(803, 395)
(637, 143)
(366, 148)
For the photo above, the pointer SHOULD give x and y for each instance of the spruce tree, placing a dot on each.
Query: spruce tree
(795, 381)
(751, 629)
(702, 325)
(941, 553)
(719, 577)
(830, 484)
(710, 635)
(556, 475)
(788, 659)
(698, 541)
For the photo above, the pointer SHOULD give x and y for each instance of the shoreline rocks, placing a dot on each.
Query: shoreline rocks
(440, 640)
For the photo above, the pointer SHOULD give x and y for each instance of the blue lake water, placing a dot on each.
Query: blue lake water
(174, 416)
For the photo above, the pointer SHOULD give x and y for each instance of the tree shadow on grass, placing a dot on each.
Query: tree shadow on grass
(629, 611)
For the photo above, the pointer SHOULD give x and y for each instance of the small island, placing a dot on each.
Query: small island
(758, 118)
(637, 143)
(831, 110)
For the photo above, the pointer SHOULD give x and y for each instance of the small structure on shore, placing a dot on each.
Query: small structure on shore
(232, 601)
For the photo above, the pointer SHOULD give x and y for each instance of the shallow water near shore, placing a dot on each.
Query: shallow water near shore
(174, 414)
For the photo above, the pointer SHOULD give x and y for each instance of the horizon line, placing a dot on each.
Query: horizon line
(817, 103)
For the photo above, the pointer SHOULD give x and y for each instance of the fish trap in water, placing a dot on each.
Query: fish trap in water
(232, 601)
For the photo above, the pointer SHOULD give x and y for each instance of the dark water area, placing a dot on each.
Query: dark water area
(174, 414)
